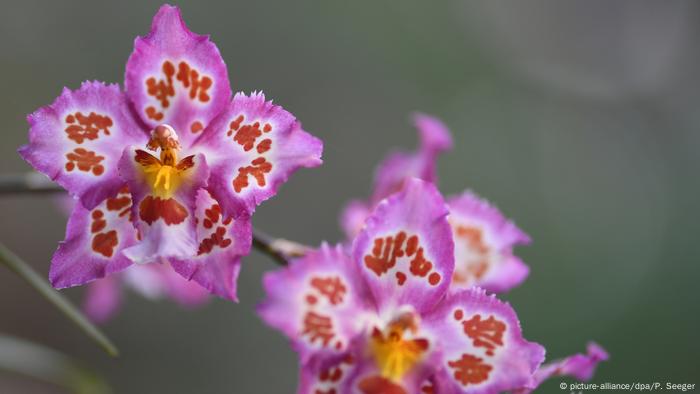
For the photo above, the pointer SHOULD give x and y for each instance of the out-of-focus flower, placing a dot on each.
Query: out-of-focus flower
(217, 158)
(578, 366)
(381, 320)
(484, 238)
(104, 296)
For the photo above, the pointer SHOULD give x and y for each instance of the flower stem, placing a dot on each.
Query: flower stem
(38, 362)
(280, 250)
(23, 270)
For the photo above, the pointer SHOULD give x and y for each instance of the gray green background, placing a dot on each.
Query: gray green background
(578, 119)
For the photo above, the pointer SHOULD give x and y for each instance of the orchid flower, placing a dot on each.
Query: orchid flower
(104, 296)
(381, 319)
(484, 237)
(168, 171)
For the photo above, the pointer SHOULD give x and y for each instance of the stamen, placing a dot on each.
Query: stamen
(164, 175)
(394, 354)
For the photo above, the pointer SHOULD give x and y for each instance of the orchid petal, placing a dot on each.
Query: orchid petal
(579, 366)
(95, 241)
(177, 77)
(483, 348)
(166, 222)
(252, 148)
(103, 298)
(435, 138)
(405, 252)
(318, 302)
(78, 140)
(222, 241)
(484, 241)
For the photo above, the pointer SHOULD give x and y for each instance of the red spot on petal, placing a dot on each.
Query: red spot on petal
(85, 160)
(162, 89)
(470, 369)
(154, 208)
(87, 127)
(485, 333)
(118, 203)
(264, 145)
(218, 236)
(196, 127)
(235, 124)
(420, 266)
(477, 263)
(400, 278)
(246, 135)
(98, 225)
(318, 327)
(104, 243)
(330, 287)
(153, 113)
(380, 385)
(311, 299)
(198, 85)
(434, 278)
(258, 168)
(459, 314)
(387, 250)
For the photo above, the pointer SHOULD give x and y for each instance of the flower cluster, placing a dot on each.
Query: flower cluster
(168, 171)
(407, 306)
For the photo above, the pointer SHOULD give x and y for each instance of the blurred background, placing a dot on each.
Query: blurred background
(578, 119)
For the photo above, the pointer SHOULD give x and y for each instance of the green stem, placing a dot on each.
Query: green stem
(15, 264)
(38, 362)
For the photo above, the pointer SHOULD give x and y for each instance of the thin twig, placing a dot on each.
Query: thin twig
(280, 250)
(38, 362)
(31, 182)
(15, 264)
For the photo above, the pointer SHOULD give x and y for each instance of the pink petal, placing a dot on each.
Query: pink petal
(78, 140)
(353, 217)
(484, 242)
(177, 77)
(329, 379)
(435, 138)
(579, 366)
(405, 251)
(318, 302)
(223, 240)
(252, 148)
(483, 350)
(103, 298)
(95, 241)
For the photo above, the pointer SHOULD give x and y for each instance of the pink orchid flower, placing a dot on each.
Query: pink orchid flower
(484, 237)
(381, 320)
(168, 171)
